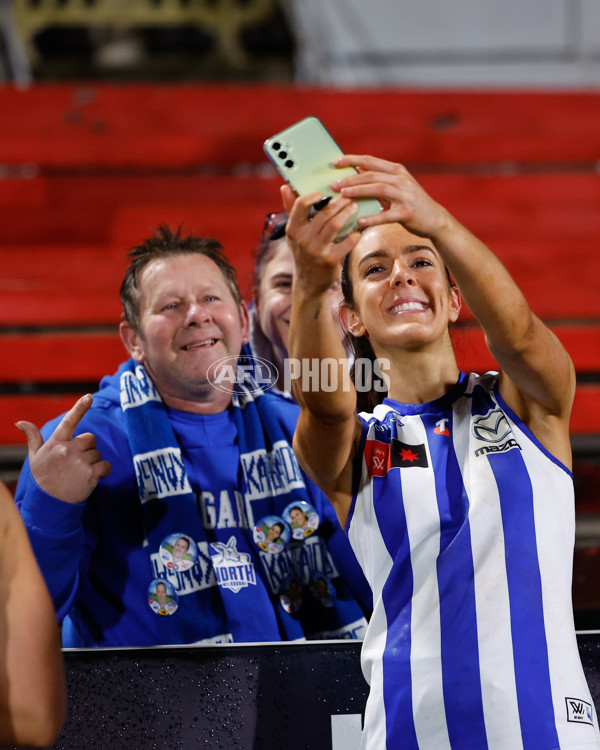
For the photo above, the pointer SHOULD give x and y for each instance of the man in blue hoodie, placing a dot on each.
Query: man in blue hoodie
(148, 508)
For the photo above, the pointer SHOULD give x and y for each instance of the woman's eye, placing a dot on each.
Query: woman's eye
(423, 262)
(170, 306)
(373, 269)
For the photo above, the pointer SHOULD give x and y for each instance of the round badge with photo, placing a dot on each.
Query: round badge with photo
(322, 590)
(178, 552)
(162, 597)
(272, 534)
(291, 595)
(302, 518)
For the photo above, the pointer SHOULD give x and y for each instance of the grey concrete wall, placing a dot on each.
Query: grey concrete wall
(507, 43)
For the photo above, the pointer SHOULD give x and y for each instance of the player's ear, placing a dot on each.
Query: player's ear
(455, 304)
(351, 322)
(132, 341)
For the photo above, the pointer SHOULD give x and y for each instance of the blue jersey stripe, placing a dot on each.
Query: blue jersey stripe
(397, 596)
(532, 672)
(471, 649)
(459, 648)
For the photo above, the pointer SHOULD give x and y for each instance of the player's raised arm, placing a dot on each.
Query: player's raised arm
(536, 374)
(327, 426)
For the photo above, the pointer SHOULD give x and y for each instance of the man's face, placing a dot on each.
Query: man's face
(189, 319)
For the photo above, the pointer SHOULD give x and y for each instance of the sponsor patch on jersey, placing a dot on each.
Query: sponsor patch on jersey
(403, 455)
(491, 428)
(578, 711)
(377, 458)
(381, 457)
(441, 428)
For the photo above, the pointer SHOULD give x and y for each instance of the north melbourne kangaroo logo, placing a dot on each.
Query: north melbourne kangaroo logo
(233, 570)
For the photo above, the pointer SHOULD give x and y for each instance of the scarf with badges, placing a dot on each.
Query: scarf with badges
(270, 481)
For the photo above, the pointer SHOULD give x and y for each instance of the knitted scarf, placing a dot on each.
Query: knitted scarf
(162, 480)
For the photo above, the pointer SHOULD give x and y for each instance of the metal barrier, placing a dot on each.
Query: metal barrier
(246, 697)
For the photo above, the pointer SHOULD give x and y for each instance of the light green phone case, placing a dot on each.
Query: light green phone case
(303, 156)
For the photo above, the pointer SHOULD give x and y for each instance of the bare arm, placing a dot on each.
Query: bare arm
(537, 378)
(32, 684)
(327, 428)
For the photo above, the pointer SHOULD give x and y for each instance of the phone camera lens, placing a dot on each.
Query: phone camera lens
(276, 146)
(282, 154)
(289, 164)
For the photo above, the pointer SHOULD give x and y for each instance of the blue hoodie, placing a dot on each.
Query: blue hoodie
(103, 576)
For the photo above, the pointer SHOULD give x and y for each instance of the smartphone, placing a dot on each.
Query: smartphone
(303, 156)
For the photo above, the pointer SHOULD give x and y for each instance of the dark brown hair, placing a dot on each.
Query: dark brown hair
(164, 243)
(366, 401)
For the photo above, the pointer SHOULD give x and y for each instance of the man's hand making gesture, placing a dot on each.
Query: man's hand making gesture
(64, 466)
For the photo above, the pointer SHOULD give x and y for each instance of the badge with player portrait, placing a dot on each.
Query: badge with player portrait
(322, 590)
(302, 518)
(291, 595)
(272, 534)
(162, 597)
(178, 552)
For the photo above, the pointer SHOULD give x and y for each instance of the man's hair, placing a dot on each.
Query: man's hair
(164, 243)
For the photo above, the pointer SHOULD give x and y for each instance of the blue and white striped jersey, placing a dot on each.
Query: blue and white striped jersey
(464, 526)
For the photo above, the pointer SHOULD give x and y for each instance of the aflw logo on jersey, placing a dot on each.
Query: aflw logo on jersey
(493, 428)
(381, 457)
(579, 711)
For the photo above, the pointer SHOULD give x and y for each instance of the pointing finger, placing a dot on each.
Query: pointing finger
(72, 418)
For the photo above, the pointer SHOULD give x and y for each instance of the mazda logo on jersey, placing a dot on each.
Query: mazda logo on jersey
(381, 457)
(492, 428)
